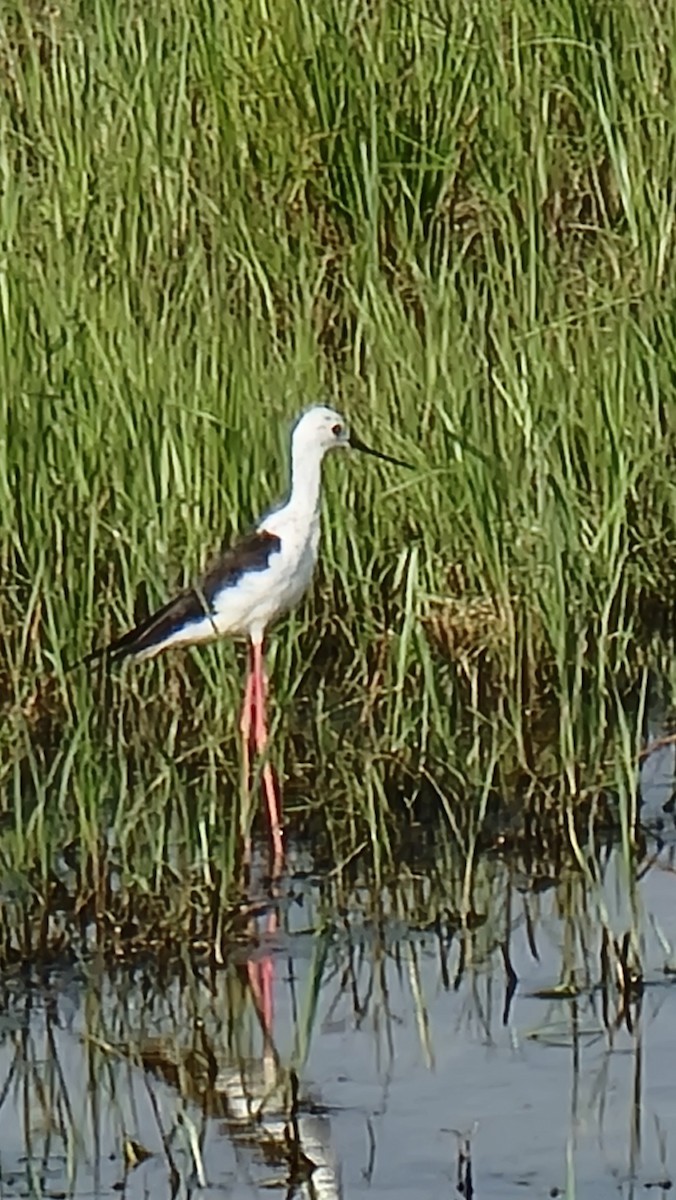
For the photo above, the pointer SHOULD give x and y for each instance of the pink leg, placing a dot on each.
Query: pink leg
(261, 740)
(246, 723)
(248, 717)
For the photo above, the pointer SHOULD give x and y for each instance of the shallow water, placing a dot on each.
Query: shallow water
(422, 1070)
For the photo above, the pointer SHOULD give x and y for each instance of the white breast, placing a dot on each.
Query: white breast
(259, 597)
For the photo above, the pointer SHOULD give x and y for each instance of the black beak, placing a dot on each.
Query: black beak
(356, 444)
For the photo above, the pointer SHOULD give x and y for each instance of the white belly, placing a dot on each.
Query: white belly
(259, 597)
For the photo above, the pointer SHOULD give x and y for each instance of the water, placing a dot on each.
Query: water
(423, 1071)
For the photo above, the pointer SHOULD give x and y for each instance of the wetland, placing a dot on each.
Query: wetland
(455, 223)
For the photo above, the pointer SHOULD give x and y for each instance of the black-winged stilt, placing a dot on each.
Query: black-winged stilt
(261, 576)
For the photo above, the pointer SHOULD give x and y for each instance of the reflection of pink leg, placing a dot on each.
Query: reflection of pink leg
(268, 977)
(261, 740)
(253, 975)
(261, 974)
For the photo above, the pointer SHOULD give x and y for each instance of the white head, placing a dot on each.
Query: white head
(321, 429)
(318, 430)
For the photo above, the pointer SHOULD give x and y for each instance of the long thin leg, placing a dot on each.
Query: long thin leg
(246, 724)
(261, 740)
(248, 717)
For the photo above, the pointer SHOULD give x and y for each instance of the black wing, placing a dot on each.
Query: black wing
(250, 553)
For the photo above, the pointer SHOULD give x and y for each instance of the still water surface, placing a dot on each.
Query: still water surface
(423, 1071)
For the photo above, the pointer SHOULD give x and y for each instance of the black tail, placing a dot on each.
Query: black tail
(194, 606)
(127, 646)
(153, 633)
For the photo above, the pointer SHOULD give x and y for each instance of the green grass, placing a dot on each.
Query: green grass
(456, 222)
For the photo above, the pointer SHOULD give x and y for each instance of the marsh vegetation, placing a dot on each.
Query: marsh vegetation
(456, 221)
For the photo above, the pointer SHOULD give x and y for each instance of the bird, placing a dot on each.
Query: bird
(251, 583)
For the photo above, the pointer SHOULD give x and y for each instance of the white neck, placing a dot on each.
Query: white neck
(306, 479)
(302, 507)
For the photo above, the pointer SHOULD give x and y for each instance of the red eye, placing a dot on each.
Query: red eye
(336, 430)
